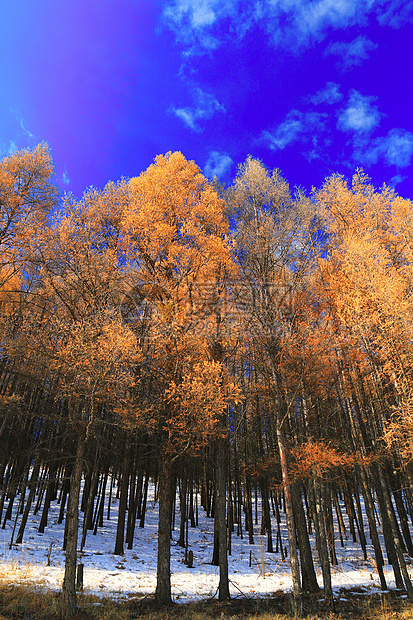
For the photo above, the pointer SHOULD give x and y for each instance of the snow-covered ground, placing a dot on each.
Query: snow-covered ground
(135, 572)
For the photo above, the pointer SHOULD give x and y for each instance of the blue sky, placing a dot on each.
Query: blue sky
(310, 87)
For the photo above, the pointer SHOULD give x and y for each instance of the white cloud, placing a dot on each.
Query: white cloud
(205, 107)
(316, 16)
(217, 164)
(20, 120)
(396, 148)
(396, 180)
(191, 20)
(5, 150)
(297, 125)
(287, 22)
(65, 177)
(352, 54)
(198, 13)
(291, 23)
(396, 13)
(359, 116)
(329, 94)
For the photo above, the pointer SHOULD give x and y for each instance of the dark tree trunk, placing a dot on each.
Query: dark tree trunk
(395, 535)
(369, 506)
(248, 511)
(32, 485)
(328, 519)
(220, 515)
(88, 514)
(144, 499)
(360, 525)
(292, 542)
(309, 579)
(166, 490)
(321, 541)
(123, 500)
(183, 511)
(72, 520)
(266, 516)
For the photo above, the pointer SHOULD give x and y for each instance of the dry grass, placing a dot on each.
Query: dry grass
(30, 600)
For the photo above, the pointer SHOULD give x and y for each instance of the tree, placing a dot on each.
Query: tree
(274, 253)
(175, 239)
(87, 348)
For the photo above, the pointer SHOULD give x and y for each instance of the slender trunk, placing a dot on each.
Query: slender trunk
(165, 496)
(321, 541)
(145, 496)
(220, 515)
(248, 511)
(395, 534)
(309, 579)
(328, 519)
(369, 506)
(295, 566)
(183, 511)
(120, 530)
(72, 520)
(32, 486)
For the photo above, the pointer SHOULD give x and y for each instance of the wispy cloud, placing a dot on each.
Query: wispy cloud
(351, 54)
(192, 20)
(396, 148)
(217, 164)
(65, 177)
(196, 13)
(206, 105)
(20, 120)
(330, 94)
(19, 137)
(198, 23)
(296, 126)
(396, 13)
(359, 116)
(8, 149)
(314, 17)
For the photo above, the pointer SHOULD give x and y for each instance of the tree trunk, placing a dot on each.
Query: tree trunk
(123, 500)
(248, 511)
(321, 541)
(72, 519)
(309, 579)
(369, 507)
(395, 534)
(166, 490)
(32, 486)
(295, 566)
(220, 515)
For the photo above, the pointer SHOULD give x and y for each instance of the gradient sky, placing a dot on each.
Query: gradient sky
(310, 87)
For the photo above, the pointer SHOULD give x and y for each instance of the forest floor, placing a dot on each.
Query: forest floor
(122, 587)
(28, 602)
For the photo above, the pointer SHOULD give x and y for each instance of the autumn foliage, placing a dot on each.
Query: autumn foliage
(232, 341)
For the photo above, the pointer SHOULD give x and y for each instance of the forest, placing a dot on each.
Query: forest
(225, 341)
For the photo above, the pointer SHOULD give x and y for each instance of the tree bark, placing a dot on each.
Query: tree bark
(72, 519)
(295, 565)
(165, 497)
(120, 530)
(220, 515)
(309, 579)
(321, 541)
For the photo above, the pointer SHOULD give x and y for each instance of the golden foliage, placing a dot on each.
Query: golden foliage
(315, 459)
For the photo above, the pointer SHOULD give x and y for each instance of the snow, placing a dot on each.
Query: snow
(134, 573)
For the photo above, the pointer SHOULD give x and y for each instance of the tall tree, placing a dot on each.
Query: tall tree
(274, 253)
(175, 238)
